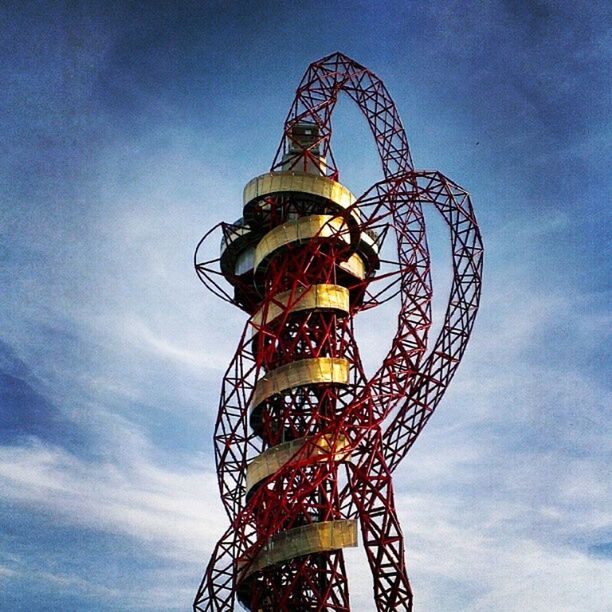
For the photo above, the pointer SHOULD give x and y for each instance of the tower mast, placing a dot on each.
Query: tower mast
(297, 409)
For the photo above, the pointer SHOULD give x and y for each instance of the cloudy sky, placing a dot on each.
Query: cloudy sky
(129, 128)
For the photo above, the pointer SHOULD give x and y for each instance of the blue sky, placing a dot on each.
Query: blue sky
(129, 128)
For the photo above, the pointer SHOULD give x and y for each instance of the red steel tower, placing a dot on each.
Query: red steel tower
(305, 442)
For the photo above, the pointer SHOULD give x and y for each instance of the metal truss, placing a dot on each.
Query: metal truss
(305, 442)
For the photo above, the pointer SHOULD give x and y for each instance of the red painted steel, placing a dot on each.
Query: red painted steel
(405, 389)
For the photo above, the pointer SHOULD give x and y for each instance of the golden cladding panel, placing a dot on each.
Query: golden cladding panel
(271, 460)
(300, 230)
(355, 266)
(306, 540)
(299, 373)
(321, 186)
(368, 242)
(316, 297)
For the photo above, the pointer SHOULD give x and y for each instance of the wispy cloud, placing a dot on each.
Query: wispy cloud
(165, 349)
(176, 509)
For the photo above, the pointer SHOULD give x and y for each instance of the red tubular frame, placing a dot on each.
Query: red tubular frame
(405, 389)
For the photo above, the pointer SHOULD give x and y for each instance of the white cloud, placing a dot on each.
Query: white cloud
(163, 348)
(480, 546)
(6, 571)
(137, 498)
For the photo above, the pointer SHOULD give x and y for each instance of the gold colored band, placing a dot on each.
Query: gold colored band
(282, 182)
(315, 297)
(306, 540)
(272, 459)
(368, 244)
(299, 373)
(355, 266)
(301, 230)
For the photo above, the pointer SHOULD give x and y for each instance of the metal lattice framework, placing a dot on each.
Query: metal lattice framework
(305, 442)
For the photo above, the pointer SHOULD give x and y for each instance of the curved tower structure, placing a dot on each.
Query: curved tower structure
(305, 442)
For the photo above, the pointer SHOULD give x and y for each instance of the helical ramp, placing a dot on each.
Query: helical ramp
(305, 442)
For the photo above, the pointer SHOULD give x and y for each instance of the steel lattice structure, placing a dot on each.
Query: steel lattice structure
(305, 442)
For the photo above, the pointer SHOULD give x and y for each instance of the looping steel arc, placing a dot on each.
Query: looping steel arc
(306, 442)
